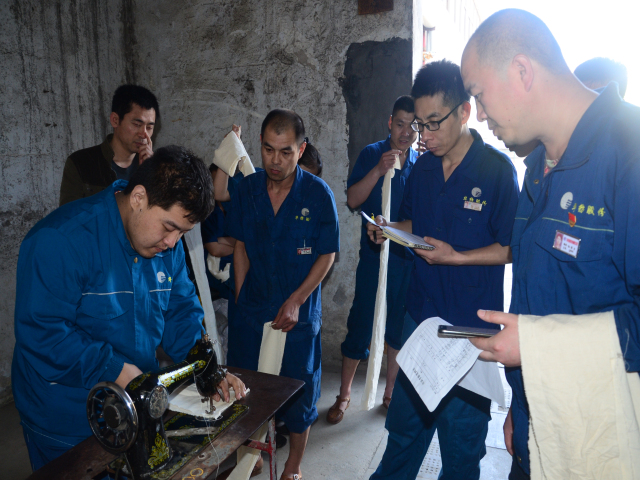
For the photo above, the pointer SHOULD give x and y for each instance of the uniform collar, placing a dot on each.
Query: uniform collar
(588, 130)
(116, 219)
(260, 187)
(434, 162)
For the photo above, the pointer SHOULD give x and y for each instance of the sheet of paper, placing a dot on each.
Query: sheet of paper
(434, 365)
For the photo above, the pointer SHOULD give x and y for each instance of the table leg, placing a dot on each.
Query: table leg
(270, 448)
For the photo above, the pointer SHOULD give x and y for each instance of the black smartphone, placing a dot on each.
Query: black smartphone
(450, 331)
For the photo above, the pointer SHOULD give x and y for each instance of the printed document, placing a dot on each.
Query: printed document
(434, 365)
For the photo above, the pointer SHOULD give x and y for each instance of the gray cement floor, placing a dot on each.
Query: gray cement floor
(347, 451)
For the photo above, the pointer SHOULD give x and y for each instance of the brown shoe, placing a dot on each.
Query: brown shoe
(335, 415)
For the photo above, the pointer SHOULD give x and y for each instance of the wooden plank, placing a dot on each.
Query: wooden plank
(367, 7)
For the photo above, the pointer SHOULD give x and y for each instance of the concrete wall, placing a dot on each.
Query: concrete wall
(61, 62)
(210, 63)
(231, 61)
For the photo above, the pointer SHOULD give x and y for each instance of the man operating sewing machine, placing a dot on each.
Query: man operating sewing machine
(101, 284)
(286, 226)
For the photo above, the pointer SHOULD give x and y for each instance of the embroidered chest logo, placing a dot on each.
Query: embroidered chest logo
(580, 208)
(304, 215)
(471, 203)
(566, 201)
(476, 192)
(161, 277)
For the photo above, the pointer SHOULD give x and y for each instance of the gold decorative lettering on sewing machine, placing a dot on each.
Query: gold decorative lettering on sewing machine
(130, 420)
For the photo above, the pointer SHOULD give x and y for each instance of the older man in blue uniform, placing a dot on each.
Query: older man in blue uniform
(285, 224)
(461, 196)
(580, 184)
(101, 284)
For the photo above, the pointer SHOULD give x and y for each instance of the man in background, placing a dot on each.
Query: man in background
(364, 192)
(134, 112)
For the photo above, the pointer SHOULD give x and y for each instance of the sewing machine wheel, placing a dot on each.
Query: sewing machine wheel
(112, 417)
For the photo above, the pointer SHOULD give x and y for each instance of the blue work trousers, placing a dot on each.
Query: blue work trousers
(360, 321)
(462, 420)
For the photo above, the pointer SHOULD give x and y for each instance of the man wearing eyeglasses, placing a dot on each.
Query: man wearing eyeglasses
(461, 197)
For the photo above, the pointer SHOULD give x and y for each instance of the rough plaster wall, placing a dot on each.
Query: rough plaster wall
(231, 61)
(61, 62)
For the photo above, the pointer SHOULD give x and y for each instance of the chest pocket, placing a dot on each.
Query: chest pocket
(100, 315)
(159, 298)
(469, 228)
(106, 306)
(592, 242)
(302, 244)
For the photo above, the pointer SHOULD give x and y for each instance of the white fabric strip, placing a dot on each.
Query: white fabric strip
(380, 313)
(270, 361)
(231, 156)
(196, 254)
(584, 406)
(213, 264)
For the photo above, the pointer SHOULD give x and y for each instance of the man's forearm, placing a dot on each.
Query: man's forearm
(218, 249)
(494, 254)
(240, 266)
(358, 193)
(317, 273)
(221, 187)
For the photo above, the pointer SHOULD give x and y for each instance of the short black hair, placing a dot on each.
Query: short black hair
(404, 103)
(281, 120)
(127, 95)
(311, 158)
(443, 77)
(599, 71)
(174, 175)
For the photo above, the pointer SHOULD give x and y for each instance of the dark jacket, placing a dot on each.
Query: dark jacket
(87, 172)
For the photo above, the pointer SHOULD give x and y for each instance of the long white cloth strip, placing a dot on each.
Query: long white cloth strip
(270, 361)
(196, 254)
(584, 406)
(380, 312)
(231, 156)
(213, 265)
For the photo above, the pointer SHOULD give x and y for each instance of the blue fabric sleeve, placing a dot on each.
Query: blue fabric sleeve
(233, 223)
(363, 165)
(404, 212)
(50, 286)
(329, 238)
(183, 319)
(503, 211)
(626, 256)
(213, 227)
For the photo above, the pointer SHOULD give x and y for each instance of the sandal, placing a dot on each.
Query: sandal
(386, 401)
(335, 415)
(293, 476)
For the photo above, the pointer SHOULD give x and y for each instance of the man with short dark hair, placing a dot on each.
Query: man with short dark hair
(364, 192)
(580, 185)
(285, 224)
(134, 113)
(101, 284)
(461, 197)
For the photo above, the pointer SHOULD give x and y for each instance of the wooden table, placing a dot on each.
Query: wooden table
(268, 393)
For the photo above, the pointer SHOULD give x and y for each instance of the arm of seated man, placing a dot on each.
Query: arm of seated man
(221, 248)
(287, 316)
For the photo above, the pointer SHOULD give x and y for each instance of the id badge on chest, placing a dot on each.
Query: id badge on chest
(566, 243)
(304, 250)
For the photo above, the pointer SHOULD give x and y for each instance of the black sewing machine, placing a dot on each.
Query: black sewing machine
(130, 420)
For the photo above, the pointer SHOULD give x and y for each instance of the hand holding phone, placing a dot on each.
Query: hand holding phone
(451, 331)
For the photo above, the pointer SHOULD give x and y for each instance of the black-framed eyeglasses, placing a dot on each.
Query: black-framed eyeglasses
(432, 126)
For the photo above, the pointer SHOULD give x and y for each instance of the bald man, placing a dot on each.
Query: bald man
(580, 184)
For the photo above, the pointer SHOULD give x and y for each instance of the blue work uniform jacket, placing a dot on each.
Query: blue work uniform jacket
(86, 303)
(367, 160)
(282, 248)
(442, 210)
(590, 195)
